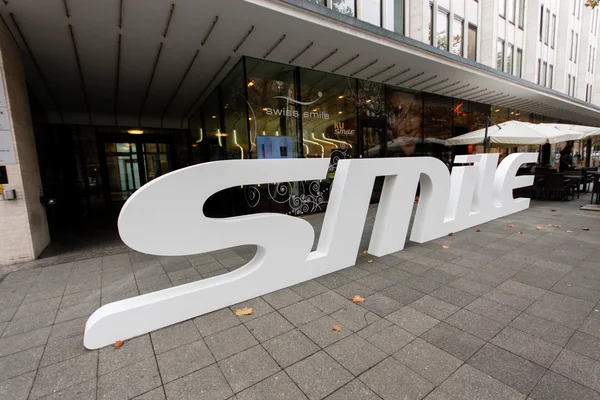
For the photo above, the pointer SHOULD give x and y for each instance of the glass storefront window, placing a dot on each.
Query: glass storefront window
(344, 6)
(370, 11)
(437, 126)
(404, 122)
(235, 117)
(213, 138)
(273, 110)
(329, 121)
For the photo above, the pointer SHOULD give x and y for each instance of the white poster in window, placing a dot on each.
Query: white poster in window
(7, 151)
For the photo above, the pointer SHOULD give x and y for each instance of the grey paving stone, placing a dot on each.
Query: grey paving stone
(321, 331)
(154, 394)
(417, 268)
(289, 348)
(453, 296)
(309, 289)
(430, 362)
(24, 341)
(402, 294)
(329, 302)
(392, 380)
(591, 325)
(34, 297)
(493, 310)
(537, 276)
(301, 313)
(380, 304)
(412, 320)
(508, 299)
(333, 280)
(41, 307)
(268, 326)
(421, 284)
(205, 384)
(230, 341)
(354, 317)
(527, 346)
(132, 351)
(577, 291)
(17, 388)
(209, 267)
(64, 374)
(278, 386)
(216, 321)
(282, 298)
(174, 336)
(375, 282)
(248, 367)
(318, 375)
(62, 349)
(259, 308)
(183, 360)
(394, 274)
(355, 390)
(475, 324)
(556, 387)
(508, 368)
(374, 328)
(356, 272)
(391, 339)
(452, 340)
(82, 391)
(579, 368)
(350, 290)
(469, 383)
(22, 325)
(67, 329)
(435, 308)
(355, 354)
(19, 363)
(561, 309)
(585, 344)
(76, 311)
(522, 290)
(543, 329)
(130, 381)
(470, 286)
(7, 313)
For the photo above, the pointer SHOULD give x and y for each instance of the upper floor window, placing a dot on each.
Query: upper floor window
(443, 24)
(551, 76)
(500, 55)
(319, 2)
(553, 34)
(502, 8)
(472, 43)
(431, 24)
(370, 11)
(521, 13)
(576, 47)
(547, 26)
(574, 6)
(510, 10)
(544, 73)
(539, 71)
(509, 58)
(589, 58)
(458, 26)
(399, 16)
(344, 6)
(541, 22)
(519, 63)
(569, 84)
(572, 43)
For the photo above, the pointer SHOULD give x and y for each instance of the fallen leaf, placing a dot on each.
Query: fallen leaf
(369, 261)
(373, 217)
(549, 224)
(243, 311)
(451, 234)
(539, 228)
(117, 345)
(520, 233)
(585, 229)
(358, 299)
(552, 210)
(556, 226)
(568, 231)
(445, 246)
(364, 251)
(511, 226)
(478, 230)
(336, 328)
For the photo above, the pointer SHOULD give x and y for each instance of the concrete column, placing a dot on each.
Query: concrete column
(23, 224)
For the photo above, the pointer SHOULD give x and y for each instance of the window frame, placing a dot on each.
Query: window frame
(553, 38)
(541, 23)
(510, 50)
(550, 76)
(472, 28)
(501, 9)
(442, 10)
(502, 43)
(511, 5)
(547, 26)
(521, 18)
(576, 48)
(539, 71)
(572, 40)
(519, 62)
(461, 22)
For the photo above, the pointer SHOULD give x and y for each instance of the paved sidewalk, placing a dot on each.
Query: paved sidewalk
(504, 313)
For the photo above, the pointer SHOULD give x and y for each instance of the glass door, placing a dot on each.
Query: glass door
(131, 165)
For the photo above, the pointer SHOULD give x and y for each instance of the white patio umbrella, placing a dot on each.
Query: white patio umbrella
(586, 132)
(510, 133)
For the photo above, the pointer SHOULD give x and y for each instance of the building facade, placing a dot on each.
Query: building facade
(103, 97)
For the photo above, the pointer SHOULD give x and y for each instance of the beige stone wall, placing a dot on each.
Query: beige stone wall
(23, 224)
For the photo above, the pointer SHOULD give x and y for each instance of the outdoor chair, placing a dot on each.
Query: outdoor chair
(574, 180)
(596, 189)
(555, 187)
(589, 178)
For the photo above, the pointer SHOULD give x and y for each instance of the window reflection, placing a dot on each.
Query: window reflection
(442, 29)
(344, 6)
(437, 126)
(404, 122)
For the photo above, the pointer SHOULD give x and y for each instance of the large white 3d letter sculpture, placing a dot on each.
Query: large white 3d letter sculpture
(472, 195)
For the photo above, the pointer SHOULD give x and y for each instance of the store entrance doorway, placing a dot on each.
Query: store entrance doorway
(373, 145)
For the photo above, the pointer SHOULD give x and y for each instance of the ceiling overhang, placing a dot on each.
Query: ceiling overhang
(151, 63)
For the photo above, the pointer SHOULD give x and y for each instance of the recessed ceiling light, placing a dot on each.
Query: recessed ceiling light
(135, 131)
(221, 134)
(214, 116)
(340, 97)
(251, 83)
(339, 112)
